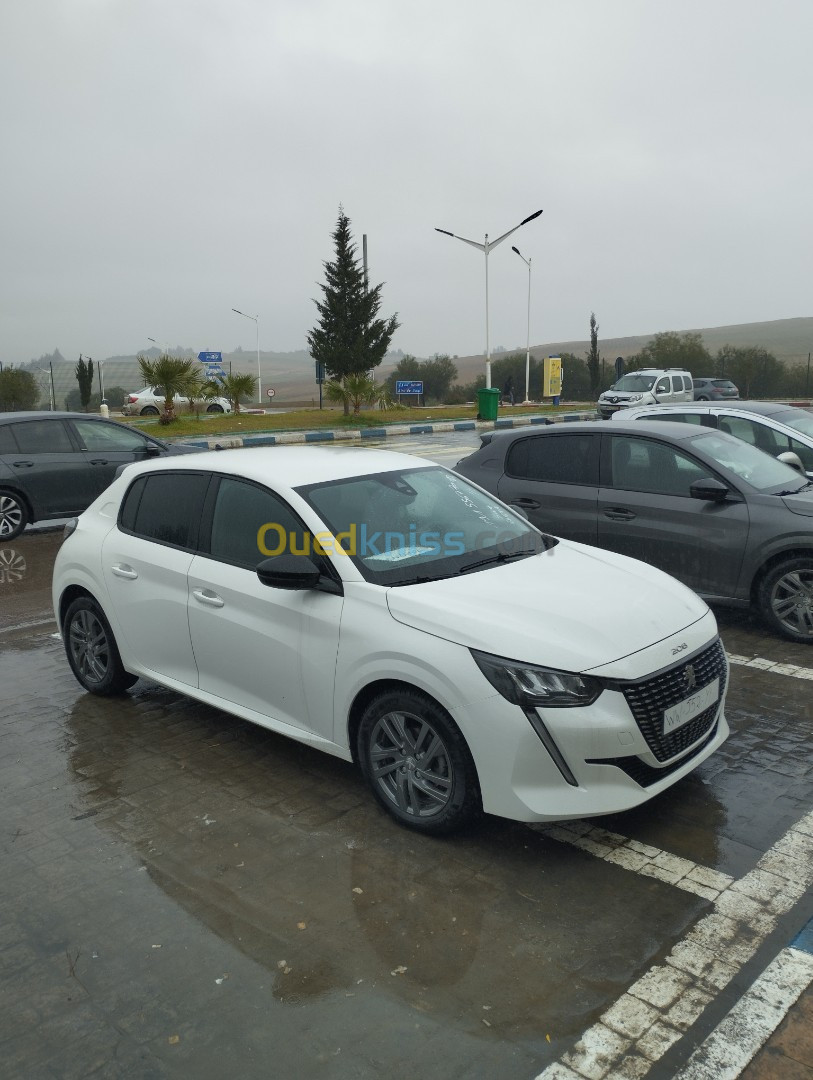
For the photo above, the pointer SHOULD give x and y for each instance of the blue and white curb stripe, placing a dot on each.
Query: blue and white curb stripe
(229, 442)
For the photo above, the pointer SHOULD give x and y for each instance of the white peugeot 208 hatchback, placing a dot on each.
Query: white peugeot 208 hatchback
(386, 610)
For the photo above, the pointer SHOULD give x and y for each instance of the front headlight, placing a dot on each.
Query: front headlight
(530, 686)
(635, 397)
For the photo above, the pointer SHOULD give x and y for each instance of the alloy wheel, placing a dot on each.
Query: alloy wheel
(89, 646)
(410, 764)
(11, 516)
(792, 601)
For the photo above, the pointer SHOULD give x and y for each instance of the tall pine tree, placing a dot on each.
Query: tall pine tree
(349, 338)
(84, 376)
(594, 356)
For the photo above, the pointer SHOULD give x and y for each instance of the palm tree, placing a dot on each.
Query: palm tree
(168, 375)
(355, 390)
(237, 386)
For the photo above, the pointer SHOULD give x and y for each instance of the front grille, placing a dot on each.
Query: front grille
(648, 700)
(646, 775)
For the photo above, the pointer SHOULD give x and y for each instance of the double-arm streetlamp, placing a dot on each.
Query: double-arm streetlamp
(527, 400)
(486, 247)
(256, 320)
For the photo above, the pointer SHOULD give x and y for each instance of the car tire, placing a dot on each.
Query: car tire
(397, 730)
(785, 599)
(92, 651)
(13, 514)
(702, 397)
(215, 408)
(149, 410)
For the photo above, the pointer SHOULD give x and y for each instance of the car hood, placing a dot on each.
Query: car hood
(572, 607)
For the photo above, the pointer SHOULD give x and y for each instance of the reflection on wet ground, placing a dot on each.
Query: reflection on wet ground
(26, 565)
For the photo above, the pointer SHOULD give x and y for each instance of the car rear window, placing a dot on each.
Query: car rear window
(556, 459)
(722, 382)
(166, 508)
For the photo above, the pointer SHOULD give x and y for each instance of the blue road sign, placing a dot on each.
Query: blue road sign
(406, 386)
(210, 357)
(215, 371)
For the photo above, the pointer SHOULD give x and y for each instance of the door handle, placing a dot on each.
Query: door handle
(527, 504)
(206, 596)
(124, 570)
(23, 464)
(619, 514)
(99, 461)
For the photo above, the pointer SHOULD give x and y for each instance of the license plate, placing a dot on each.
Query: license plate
(690, 707)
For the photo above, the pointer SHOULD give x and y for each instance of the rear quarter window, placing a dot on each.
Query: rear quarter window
(166, 508)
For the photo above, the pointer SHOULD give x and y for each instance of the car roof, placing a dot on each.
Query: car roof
(290, 466)
(665, 428)
(763, 408)
(48, 414)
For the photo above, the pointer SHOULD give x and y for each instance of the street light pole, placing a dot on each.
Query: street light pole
(256, 320)
(527, 400)
(161, 345)
(486, 248)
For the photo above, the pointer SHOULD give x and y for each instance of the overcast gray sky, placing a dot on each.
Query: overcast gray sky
(167, 160)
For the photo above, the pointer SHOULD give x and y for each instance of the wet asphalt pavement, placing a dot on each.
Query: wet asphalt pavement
(186, 895)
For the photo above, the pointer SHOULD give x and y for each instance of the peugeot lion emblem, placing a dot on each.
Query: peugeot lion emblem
(689, 677)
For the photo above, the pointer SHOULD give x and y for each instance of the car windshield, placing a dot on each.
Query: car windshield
(635, 383)
(755, 467)
(796, 418)
(414, 525)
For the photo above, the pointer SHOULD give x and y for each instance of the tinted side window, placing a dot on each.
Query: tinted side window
(129, 506)
(687, 382)
(662, 386)
(43, 437)
(170, 508)
(241, 511)
(7, 443)
(556, 459)
(100, 436)
(680, 417)
(646, 465)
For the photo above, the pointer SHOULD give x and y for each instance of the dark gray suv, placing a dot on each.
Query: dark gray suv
(728, 520)
(54, 464)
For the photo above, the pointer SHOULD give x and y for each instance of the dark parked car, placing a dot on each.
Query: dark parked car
(714, 390)
(728, 520)
(54, 464)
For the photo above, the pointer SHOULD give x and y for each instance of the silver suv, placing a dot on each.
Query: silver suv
(649, 386)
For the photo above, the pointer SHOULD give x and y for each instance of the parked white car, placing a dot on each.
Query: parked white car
(385, 610)
(648, 386)
(148, 402)
(783, 431)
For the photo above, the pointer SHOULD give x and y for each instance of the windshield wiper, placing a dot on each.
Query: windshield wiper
(421, 580)
(795, 491)
(502, 557)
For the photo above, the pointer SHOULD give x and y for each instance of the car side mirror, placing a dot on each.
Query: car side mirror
(289, 572)
(709, 489)
(151, 450)
(792, 459)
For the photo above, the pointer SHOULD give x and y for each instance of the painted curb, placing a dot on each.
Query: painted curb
(230, 442)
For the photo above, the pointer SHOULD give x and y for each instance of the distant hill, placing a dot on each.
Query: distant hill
(291, 374)
(790, 340)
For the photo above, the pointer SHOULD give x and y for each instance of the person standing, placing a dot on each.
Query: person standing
(508, 391)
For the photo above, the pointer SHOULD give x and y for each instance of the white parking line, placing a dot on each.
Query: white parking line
(759, 1012)
(656, 1011)
(640, 858)
(759, 664)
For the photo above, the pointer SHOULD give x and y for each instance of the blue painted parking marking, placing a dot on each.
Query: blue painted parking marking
(804, 939)
(373, 433)
(319, 436)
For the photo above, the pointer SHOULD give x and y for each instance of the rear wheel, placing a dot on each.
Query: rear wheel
(702, 397)
(417, 763)
(215, 408)
(149, 410)
(13, 514)
(786, 599)
(92, 650)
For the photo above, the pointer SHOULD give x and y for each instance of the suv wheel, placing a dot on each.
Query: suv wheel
(215, 408)
(149, 410)
(13, 514)
(702, 397)
(417, 763)
(92, 650)
(786, 599)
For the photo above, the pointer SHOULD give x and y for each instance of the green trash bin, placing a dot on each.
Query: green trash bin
(487, 402)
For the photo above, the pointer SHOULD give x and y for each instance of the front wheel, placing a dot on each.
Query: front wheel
(149, 410)
(786, 599)
(92, 651)
(417, 763)
(13, 514)
(215, 408)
